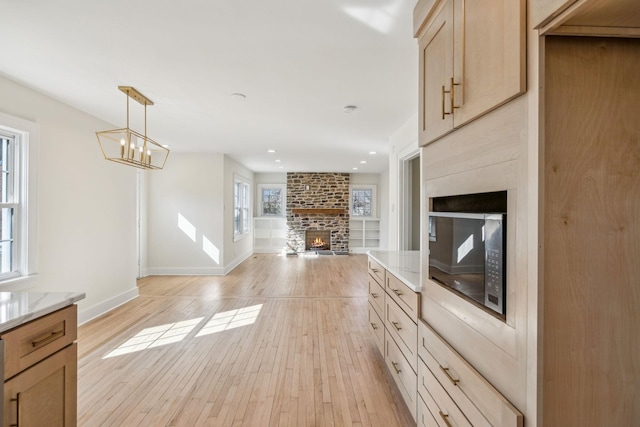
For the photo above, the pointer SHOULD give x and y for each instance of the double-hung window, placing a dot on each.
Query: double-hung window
(363, 201)
(241, 206)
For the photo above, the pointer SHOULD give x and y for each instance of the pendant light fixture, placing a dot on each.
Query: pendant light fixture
(129, 147)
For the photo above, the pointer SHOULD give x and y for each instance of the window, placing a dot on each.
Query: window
(271, 199)
(363, 200)
(18, 148)
(240, 206)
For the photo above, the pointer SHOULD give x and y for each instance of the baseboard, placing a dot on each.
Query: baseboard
(236, 262)
(184, 271)
(99, 309)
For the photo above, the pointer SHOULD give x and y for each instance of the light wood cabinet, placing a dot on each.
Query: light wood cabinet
(472, 60)
(41, 371)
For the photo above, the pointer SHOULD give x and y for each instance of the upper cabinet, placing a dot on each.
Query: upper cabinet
(472, 60)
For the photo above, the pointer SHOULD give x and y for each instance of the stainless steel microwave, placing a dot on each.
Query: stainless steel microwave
(467, 256)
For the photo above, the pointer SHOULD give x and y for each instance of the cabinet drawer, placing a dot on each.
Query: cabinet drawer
(439, 403)
(377, 328)
(403, 331)
(402, 374)
(475, 396)
(425, 417)
(377, 271)
(376, 296)
(407, 299)
(29, 343)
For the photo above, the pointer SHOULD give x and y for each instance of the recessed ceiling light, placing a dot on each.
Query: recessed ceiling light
(271, 150)
(349, 109)
(278, 160)
(239, 96)
(280, 167)
(363, 162)
(372, 152)
(166, 145)
(355, 169)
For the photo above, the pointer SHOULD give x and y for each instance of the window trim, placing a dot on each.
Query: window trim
(237, 235)
(27, 135)
(283, 193)
(374, 200)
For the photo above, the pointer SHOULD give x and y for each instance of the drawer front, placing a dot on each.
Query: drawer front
(377, 328)
(439, 403)
(377, 271)
(27, 344)
(376, 296)
(481, 403)
(402, 374)
(425, 417)
(404, 296)
(403, 330)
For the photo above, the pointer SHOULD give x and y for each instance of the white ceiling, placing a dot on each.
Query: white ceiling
(299, 62)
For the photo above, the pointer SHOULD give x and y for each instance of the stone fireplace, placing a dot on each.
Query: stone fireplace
(318, 202)
(317, 240)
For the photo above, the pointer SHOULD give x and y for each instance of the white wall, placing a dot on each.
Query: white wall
(402, 144)
(86, 205)
(235, 251)
(184, 223)
(382, 194)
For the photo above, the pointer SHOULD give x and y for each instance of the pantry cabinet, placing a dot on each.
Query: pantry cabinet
(472, 60)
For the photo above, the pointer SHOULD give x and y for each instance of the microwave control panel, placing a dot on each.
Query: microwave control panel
(494, 266)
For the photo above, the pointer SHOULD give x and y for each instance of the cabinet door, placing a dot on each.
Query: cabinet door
(489, 56)
(45, 394)
(436, 70)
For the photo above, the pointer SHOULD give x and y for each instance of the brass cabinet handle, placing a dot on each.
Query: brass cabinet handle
(375, 270)
(446, 372)
(395, 325)
(17, 400)
(395, 366)
(444, 113)
(373, 294)
(445, 418)
(373, 325)
(53, 335)
(453, 96)
(396, 291)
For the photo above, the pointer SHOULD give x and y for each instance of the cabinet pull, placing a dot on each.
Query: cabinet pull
(395, 366)
(446, 372)
(453, 96)
(373, 325)
(375, 270)
(444, 113)
(445, 418)
(17, 400)
(373, 294)
(53, 335)
(395, 325)
(396, 291)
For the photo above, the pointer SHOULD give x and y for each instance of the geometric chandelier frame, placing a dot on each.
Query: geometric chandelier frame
(129, 147)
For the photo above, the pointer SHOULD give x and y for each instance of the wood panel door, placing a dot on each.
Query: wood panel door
(591, 234)
(436, 70)
(45, 394)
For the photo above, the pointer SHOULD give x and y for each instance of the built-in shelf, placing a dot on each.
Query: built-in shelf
(364, 234)
(269, 234)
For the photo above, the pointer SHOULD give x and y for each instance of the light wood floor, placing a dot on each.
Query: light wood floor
(280, 341)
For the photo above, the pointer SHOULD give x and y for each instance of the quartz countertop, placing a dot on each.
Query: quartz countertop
(17, 308)
(405, 265)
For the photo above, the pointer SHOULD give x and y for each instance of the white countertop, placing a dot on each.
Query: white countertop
(405, 265)
(17, 308)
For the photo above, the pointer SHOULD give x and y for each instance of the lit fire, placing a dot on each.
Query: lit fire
(318, 243)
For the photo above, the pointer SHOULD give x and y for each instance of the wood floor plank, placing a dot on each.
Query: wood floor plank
(280, 341)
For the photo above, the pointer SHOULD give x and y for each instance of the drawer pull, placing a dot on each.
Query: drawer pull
(46, 340)
(395, 366)
(446, 372)
(375, 270)
(373, 325)
(17, 400)
(373, 294)
(445, 418)
(396, 291)
(395, 325)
